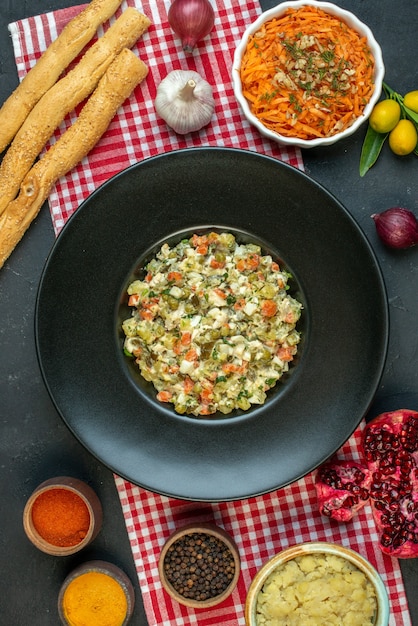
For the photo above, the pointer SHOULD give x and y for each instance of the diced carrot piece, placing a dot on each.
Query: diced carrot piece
(146, 314)
(164, 396)
(252, 261)
(268, 308)
(285, 354)
(220, 292)
(206, 396)
(229, 368)
(216, 264)
(200, 242)
(186, 338)
(188, 384)
(133, 299)
(191, 355)
(174, 276)
(240, 265)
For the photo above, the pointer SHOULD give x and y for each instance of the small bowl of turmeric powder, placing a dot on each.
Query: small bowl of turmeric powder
(307, 73)
(62, 516)
(96, 592)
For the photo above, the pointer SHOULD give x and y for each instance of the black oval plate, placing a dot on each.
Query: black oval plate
(316, 408)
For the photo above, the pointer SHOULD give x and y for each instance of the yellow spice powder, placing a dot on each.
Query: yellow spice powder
(94, 599)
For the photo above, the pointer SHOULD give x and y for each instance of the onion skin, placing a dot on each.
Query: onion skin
(397, 227)
(191, 20)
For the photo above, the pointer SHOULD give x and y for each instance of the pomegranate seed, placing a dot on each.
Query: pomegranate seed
(364, 494)
(394, 506)
(398, 541)
(358, 476)
(411, 508)
(397, 519)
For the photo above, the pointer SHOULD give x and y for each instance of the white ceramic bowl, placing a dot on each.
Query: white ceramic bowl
(353, 22)
(382, 616)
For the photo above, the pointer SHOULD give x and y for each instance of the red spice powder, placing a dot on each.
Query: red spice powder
(60, 517)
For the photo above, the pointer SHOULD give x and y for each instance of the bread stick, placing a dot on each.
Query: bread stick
(122, 76)
(72, 39)
(62, 98)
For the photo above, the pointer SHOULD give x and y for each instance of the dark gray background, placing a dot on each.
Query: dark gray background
(34, 443)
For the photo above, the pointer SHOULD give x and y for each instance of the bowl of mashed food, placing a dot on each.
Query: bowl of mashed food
(317, 583)
(307, 73)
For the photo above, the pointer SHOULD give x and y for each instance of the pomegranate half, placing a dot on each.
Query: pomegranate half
(388, 479)
(391, 450)
(342, 488)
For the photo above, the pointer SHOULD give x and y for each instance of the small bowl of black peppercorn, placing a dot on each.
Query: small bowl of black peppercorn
(199, 565)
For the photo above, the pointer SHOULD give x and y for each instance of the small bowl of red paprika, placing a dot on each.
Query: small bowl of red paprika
(62, 516)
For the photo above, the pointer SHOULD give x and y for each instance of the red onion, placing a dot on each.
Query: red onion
(191, 20)
(397, 227)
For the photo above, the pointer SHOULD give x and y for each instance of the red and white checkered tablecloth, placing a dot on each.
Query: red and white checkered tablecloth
(137, 132)
(263, 525)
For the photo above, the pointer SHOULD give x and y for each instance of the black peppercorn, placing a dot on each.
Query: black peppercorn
(199, 566)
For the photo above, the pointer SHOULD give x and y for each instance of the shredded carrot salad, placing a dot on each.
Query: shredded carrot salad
(307, 74)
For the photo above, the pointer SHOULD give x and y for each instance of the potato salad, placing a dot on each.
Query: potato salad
(213, 326)
(317, 589)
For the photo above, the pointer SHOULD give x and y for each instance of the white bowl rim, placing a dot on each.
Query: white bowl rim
(354, 22)
(320, 547)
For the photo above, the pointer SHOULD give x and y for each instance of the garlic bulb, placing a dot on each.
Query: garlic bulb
(185, 101)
